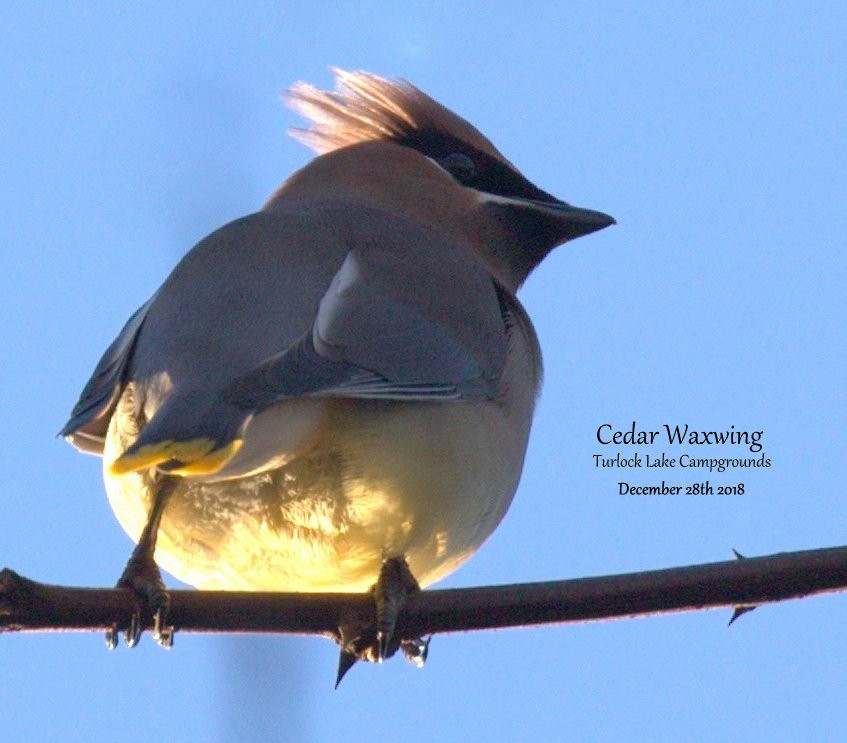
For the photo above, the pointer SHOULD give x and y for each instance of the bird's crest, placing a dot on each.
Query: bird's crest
(367, 107)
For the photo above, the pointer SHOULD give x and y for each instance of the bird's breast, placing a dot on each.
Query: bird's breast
(360, 481)
(429, 481)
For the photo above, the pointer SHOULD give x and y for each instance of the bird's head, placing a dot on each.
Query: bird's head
(385, 143)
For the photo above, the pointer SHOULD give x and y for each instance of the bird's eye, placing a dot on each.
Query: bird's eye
(459, 165)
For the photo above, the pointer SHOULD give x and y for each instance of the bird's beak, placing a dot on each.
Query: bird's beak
(541, 224)
(569, 222)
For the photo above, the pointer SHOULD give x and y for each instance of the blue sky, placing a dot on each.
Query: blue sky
(714, 134)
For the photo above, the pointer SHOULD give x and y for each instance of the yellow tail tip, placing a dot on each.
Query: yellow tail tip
(195, 457)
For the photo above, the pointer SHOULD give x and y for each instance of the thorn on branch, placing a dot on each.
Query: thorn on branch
(737, 612)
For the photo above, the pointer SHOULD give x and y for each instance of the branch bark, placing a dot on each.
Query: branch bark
(29, 606)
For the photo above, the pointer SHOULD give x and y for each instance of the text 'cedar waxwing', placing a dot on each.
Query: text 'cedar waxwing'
(343, 380)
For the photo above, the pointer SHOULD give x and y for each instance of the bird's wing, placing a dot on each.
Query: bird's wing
(406, 316)
(424, 323)
(86, 428)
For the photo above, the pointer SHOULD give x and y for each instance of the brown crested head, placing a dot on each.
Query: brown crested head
(518, 222)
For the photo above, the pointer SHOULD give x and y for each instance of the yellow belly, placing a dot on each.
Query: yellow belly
(429, 481)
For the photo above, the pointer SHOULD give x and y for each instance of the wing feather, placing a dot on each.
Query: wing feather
(86, 428)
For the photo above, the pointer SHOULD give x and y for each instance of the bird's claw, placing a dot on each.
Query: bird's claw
(393, 587)
(163, 633)
(142, 577)
(132, 634)
(112, 637)
(383, 644)
(415, 651)
(362, 638)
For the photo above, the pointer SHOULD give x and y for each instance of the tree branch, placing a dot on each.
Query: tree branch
(28, 606)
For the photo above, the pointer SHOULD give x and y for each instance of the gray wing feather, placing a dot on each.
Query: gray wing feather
(420, 324)
(392, 316)
(86, 428)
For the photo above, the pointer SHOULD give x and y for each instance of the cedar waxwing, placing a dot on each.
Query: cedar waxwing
(343, 380)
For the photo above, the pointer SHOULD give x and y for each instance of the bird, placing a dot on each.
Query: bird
(335, 392)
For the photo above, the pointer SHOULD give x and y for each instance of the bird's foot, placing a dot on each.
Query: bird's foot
(393, 587)
(363, 639)
(142, 577)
